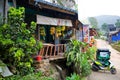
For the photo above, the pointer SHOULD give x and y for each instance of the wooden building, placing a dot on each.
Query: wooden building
(49, 15)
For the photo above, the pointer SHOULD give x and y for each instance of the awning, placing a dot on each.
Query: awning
(53, 21)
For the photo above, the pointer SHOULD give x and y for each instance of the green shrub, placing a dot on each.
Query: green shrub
(73, 76)
(85, 66)
(17, 43)
(33, 76)
(91, 53)
(116, 46)
(75, 56)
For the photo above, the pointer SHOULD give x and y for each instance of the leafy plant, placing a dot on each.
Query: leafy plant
(74, 76)
(91, 53)
(17, 42)
(116, 45)
(85, 66)
(76, 56)
(74, 51)
(33, 76)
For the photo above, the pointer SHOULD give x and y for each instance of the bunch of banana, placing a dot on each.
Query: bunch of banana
(42, 31)
(52, 30)
(58, 31)
(63, 28)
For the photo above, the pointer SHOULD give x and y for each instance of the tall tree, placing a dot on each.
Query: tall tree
(118, 23)
(93, 22)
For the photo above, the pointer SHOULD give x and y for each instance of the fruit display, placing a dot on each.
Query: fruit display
(58, 31)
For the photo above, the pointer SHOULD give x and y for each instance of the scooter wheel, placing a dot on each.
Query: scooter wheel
(113, 71)
(94, 67)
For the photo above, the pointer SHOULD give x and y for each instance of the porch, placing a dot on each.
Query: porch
(52, 51)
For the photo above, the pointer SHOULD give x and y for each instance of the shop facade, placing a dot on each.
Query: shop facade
(56, 25)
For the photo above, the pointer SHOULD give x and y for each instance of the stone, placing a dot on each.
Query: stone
(46, 61)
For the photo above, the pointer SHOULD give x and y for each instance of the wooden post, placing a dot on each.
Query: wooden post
(82, 34)
(14, 3)
(5, 2)
(38, 32)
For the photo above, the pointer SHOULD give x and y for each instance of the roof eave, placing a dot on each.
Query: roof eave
(56, 7)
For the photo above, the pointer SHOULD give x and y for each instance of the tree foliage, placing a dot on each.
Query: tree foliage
(93, 22)
(17, 42)
(104, 27)
(118, 23)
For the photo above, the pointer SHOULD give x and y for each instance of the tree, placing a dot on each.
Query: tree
(117, 23)
(93, 22)
(104, 27)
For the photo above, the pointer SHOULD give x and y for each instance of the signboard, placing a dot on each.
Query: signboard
(86, 33)
(53, 21)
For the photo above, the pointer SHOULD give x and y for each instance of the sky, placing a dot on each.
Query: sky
(89, 8)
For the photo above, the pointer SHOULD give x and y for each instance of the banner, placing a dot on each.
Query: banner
(86, 33)
(53, 21)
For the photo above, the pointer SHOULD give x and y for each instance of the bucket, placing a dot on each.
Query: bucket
(38, 58)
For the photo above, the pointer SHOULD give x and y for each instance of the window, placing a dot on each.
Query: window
(103, 54)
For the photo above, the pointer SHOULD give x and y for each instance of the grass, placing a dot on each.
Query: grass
(34, 76)
(116, 46)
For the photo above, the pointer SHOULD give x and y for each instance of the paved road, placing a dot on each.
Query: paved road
(115, 58)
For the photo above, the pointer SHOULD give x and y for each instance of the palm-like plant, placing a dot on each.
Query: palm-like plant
(74, 51)
(76, 56)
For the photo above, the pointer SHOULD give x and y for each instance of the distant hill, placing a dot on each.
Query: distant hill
(109, 19)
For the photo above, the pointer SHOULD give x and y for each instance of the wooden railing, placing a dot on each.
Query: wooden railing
(51, 50)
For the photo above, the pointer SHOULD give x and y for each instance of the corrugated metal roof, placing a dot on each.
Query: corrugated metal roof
(114, 32)
(56, 5)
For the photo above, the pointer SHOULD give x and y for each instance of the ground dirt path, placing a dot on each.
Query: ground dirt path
(115, 58)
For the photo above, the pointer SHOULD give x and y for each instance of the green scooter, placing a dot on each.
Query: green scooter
(103, 62)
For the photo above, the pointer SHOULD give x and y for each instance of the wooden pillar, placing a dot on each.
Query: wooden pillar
(14, 3)
(38, 29)
(82, 34)
(5, 3)
(75, 33)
